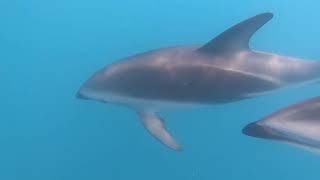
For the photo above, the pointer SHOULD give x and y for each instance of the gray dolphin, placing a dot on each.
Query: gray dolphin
(298, 124)
(221, 71)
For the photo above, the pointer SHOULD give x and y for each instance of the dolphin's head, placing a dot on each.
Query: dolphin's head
(258, 130)
(100, 84)
(92, 87)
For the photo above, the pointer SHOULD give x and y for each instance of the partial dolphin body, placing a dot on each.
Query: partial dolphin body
(298, 124)
(223, 70)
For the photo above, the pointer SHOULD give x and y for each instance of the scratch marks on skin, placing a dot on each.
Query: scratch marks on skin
(161, 61)
(239, 63)
(239, 60)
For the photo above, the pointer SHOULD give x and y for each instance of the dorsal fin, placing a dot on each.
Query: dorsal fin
(237, 37)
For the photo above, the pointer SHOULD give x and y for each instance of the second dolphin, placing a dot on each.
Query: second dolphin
(298, 124)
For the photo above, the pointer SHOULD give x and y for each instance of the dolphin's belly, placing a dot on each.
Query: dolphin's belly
(194, 84)
(153, 105)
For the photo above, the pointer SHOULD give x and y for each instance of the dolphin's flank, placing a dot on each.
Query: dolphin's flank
(223, 70)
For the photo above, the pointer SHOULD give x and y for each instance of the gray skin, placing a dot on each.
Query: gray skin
(298, 124)
(223, 70)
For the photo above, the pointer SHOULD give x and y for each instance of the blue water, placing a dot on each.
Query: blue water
(48, 49)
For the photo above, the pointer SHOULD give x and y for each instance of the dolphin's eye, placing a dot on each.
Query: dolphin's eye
(188, 83)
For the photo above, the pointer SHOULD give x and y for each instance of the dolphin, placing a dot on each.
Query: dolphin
(222, 71)
(298, 124)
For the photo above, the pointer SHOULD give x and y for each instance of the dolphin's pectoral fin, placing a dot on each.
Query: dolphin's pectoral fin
(237, 37)
(156, 127)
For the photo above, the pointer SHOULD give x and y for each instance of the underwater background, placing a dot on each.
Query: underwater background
(49, 48)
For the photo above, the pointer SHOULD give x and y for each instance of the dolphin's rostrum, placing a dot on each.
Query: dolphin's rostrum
(298, 124)
(223, 70)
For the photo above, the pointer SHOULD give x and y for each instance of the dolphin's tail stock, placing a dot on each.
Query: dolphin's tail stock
(316, 71)
(297, 71)
(310, 72)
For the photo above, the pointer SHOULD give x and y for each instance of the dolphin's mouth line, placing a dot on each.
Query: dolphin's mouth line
(80, 95)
